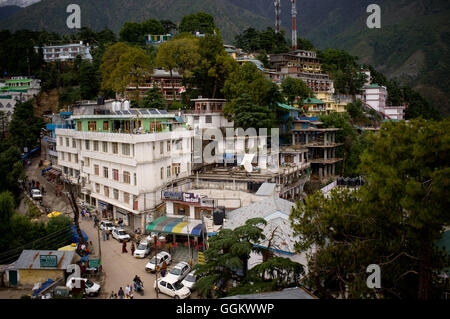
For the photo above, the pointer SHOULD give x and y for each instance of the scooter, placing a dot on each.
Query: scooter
(139, 288)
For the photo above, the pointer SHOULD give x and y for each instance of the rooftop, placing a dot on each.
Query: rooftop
(29, 259)
(287, 293)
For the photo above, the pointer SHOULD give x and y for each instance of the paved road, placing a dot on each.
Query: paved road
(119, 268)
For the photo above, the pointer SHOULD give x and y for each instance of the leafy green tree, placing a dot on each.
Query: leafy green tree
(168, 26)
(153, 99)
(152, 26)
(295, 89)
(132, 32)
(304, 44)
(248, 114)
(394, 220)
(89, 81)
(214, 66)
(252, 40)
(110, 60)
(227, 257)
(198, 22)
(133, 67)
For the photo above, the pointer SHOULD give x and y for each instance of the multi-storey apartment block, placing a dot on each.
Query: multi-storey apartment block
(17, 89)
(65, 52)
(122, 160)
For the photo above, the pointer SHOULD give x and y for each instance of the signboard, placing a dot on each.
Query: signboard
(48, 260)
(190, 198)
(182, 197)
(201, 258)
(173, 195)
(94, 263)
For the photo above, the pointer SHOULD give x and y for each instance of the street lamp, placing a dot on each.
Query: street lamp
(189, 241)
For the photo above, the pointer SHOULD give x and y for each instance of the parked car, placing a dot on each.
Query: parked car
(190, 280)
(92, 289)
(155, 264)
(120, 234)
(179, 271)
(143, 249)
(174, 289)
(36, 194)
(106, 225)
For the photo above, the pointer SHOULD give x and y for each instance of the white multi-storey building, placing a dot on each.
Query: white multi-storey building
(65, 52)
(123, 160)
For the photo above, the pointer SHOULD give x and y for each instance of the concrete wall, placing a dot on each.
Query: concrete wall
(32, 276)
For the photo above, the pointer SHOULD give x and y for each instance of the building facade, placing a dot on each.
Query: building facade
(65, 52)
(122, 161)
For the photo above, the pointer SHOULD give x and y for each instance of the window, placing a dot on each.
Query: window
(69, 157)
(208, 119)
(168, 146)
(105, 172)
(126, 177)
(62, 153)
(181, 209)
(92, 125)
(79, 127)
(135, 179)
(168, 171)
(153, 145)
(162, 172)
(96, 170)
(60, 141)
(105, 126)
(115, 148)
(176, 169)
(161, 147)
(196, 118)
(126, 197)
(105, 147)
(86, 163)
(86, 143)
(115, 174)
(116, 194)
(126, 149)
(67, 141)
(97, 188)
(74, 143)
(106, 190)
(96, 146)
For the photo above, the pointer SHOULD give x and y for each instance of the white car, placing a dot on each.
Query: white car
(92, 289)
(153, 266)
(143, 249)
(190, 280)
(178, 272)
(106, 225)
(151, 238)
(120, 234)
(36, 194)
(174, 289)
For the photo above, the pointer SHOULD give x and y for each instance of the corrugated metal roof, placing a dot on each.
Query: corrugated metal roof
(29, 259)
(266, 189)
(288, 293)
(276, 212)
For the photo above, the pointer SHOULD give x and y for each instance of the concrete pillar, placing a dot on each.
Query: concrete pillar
(293, 139)
(306, 136)
(325, 153)
(320, 172)
(334, 167)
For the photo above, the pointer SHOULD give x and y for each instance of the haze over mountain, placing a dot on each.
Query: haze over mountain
(412, 44)
(18, 3)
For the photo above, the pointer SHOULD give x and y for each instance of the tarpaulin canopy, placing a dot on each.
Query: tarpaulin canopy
(75, 238)
(175, 225)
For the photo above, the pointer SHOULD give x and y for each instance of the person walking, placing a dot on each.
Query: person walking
(104, 234)
(121, 293)
(107, 234)
(127, 291)
(113, 295)
(124, 247)
(163, 269)
(132, 249)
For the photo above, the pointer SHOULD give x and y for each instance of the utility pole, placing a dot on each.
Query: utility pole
(155, 239)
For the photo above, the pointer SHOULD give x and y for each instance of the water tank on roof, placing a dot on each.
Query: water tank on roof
(100, 100)
(126, 105)
(218, 215)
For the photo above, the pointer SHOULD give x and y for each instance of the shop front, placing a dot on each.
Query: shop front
(105, 209)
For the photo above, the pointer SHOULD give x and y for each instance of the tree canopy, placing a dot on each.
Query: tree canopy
(198, 22)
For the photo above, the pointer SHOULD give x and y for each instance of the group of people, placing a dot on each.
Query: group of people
(128, 292)
(124, 248)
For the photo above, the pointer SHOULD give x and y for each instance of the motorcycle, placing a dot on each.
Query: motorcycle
(139, 287)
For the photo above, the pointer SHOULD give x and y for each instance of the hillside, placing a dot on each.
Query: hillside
(51, 15)
(412, 45)
(7, 11)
